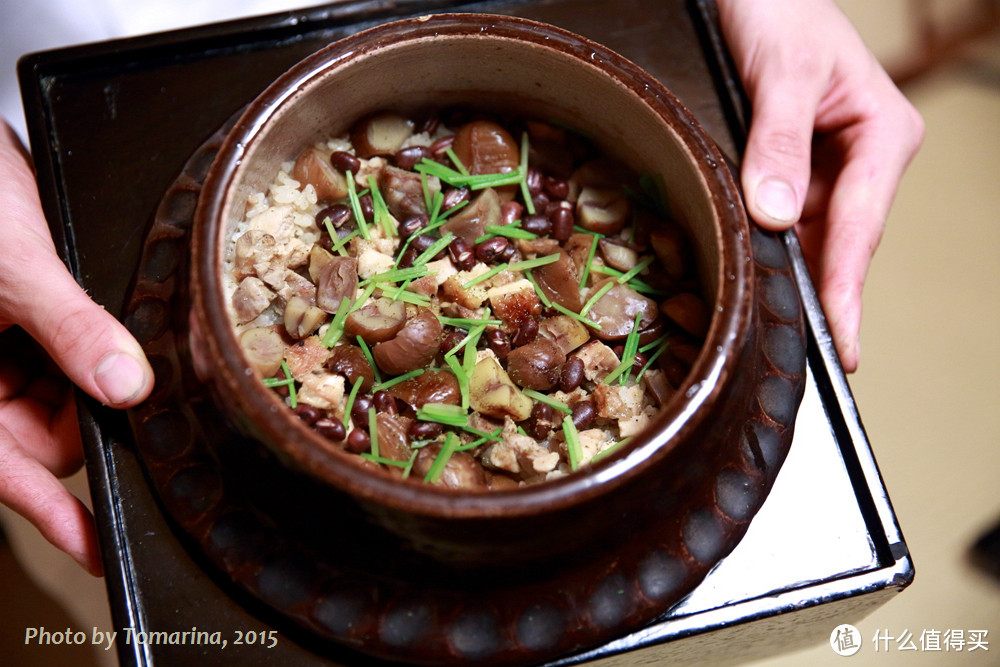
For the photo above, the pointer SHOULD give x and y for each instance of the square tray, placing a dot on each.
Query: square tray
(108, 139)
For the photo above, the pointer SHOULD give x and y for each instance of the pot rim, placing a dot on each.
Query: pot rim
(271, 420)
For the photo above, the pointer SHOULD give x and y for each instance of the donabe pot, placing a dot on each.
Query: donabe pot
(533, 70)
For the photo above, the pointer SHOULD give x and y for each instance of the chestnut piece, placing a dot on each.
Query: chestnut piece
(350, 361)
(415, 346)
(381, 134)
(536, 365)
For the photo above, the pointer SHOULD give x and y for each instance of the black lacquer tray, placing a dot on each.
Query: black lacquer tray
(106, 115)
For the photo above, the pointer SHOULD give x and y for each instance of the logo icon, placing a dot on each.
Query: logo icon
(845, 640)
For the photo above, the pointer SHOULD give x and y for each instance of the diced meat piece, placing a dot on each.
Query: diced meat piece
(520, 455)
(371, 262)
(598, 360)
(306, 356)
(322, 390)
(632, 425)
(515, 302)
(617, 402)
(251, 298)
(296, 285)
(252, 249)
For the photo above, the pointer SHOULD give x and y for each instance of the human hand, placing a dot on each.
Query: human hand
(39, 436)
(829, 140)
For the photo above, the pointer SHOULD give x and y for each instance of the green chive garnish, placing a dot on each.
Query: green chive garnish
(454, 159)
(373, 429)
(538, 290)
(338, 245)
(350, 403)
(495, 435)
(576, 316)
(466, 323)
(485, 276)
(628, 354)
(398, 275)
(449, 415)
(592, 301)
(510, 231)
(573, 447)
(388, 462)
(359, 216)
(368, 356)
(548, 400)
(434, 249)
(462, 377)
(590, 260)
(396, 380)
(382, 215)
(634, 271)
(526, 264)
(336, 328)
(605, 452)
(450, 442)
(653, 357)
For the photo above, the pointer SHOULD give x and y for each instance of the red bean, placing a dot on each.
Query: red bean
(571, 375)
(359, 411)
(537, 224)
(454, 197)
(308, 413)
(331, 429)
(584, 414)
(338, 215)
(562, 223)
(385, 402)
(534, 180)
(358, 442)
(490, 250)
(526, 333)
(345, 162)
(462, 255)
(411, 225)
(557, 188)
(497, 341)
(408, 158)
(425, 430)
(509, 212)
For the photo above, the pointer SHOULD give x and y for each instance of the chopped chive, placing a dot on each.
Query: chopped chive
(587, 231)
(481, 434)
(462, 377)
(447, 449)
(450, 415)
(336, 328)
(525, 194)
(483, 181)
(548, 400)
(573, 447)
(382, 215)
(634, 283)
(628, 354)
(373, 429)
(445, 173)
(338, 245)
(409, 464)
(495, 435)
(368, 356)
(631, 347)
(653, 357)
(434, 249)
(385, 461)
(590, 260)
(465, 323)
(458, 163)
(365, 295)
(656, 343)
(634, 271)
(510, 231)
(437, 201)
(520, 429)
(538, 290)
(359, 216)
(610, 450)
(411, 297)
(592, 301)
(469, 361)
(576, 316)
(470, 339)
(444, 215)
(289, 382)
(398, 275)
(350, 403)
(396, 380)
(275, 382)
(534, 263)
(485, 276)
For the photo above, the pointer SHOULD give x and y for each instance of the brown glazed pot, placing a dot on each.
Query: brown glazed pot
(517, 66)
(555, 566)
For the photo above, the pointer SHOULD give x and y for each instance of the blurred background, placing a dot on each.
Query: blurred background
(928, 388)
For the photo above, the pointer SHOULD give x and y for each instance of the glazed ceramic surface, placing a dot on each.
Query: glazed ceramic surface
(388, 566)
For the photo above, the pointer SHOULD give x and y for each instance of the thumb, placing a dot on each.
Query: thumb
(91, 347)
(777, 161)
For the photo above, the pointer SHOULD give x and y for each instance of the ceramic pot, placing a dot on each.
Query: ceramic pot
(500, 64)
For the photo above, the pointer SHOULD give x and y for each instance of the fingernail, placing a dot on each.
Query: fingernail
(776, 200)
(120, 377)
